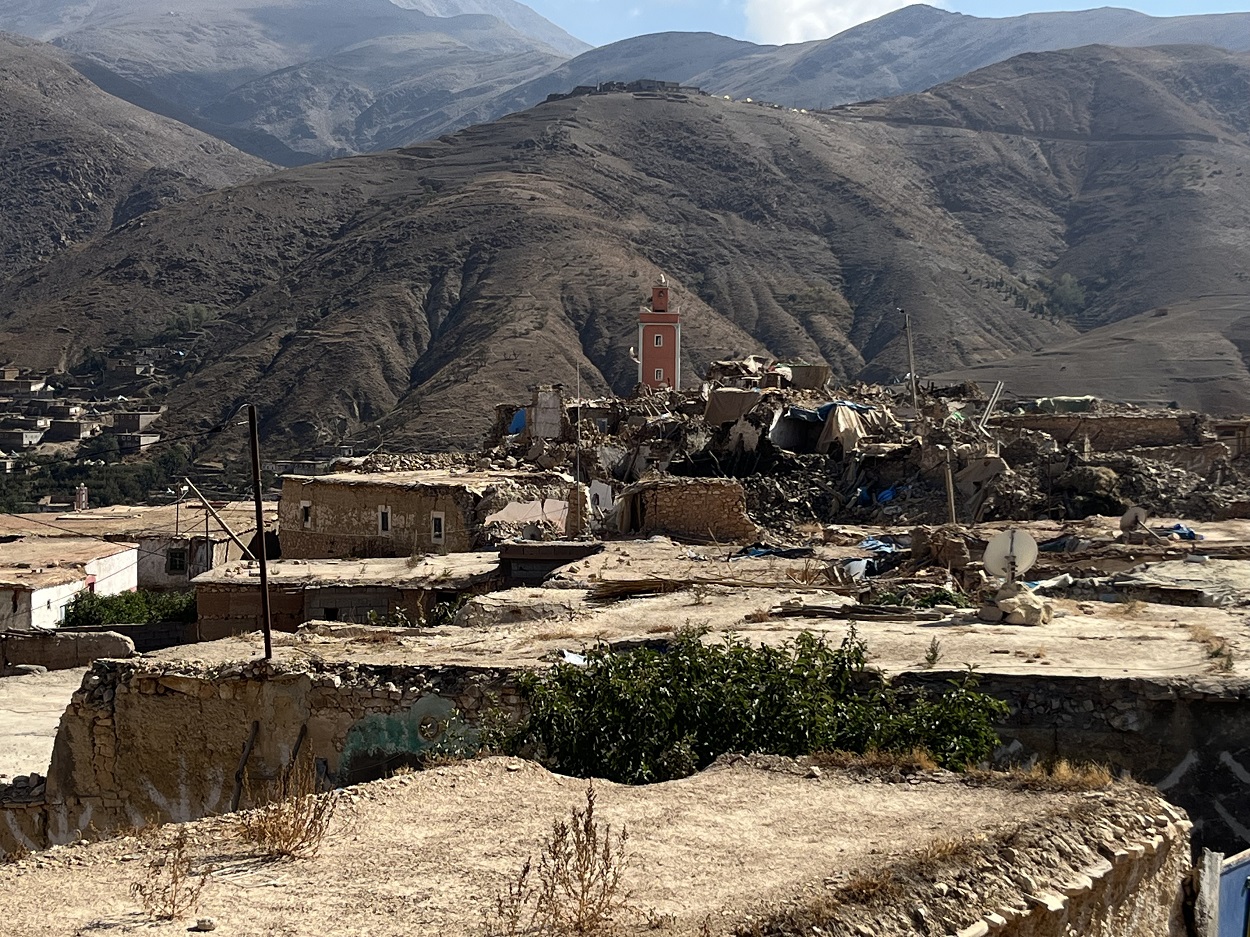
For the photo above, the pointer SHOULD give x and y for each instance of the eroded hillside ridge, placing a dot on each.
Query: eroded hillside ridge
(294, 81)
(298, 80)
(402, 295)
(75, 162)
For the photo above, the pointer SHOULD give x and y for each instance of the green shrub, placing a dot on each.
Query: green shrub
(644, 715)
(89, 610)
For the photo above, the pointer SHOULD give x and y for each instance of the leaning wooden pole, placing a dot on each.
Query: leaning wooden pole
(260, 532)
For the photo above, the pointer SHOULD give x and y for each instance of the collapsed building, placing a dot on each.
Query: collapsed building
(806, 455)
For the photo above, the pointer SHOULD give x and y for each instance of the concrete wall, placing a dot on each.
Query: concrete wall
(114, 764)
(116, 573)
(62, 650)
(154, 567)
(47, 606)
(23, 609)
(1112, 432)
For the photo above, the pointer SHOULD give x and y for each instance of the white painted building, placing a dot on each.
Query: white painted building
(39, 577)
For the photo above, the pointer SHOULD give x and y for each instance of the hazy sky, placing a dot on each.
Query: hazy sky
(776, 21)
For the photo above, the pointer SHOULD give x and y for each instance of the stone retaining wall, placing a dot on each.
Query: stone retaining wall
(149, 741)
(61, 650)
(1187, 736)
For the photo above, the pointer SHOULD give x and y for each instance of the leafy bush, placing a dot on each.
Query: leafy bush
(89, 610)
(643, 715)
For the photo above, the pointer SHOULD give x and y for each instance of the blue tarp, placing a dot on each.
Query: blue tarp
(1185, 533)
(518, 422)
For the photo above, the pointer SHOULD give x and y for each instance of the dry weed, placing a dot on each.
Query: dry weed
(1133, 608)
(1061, 775)
(170, 889)
(16, 854)
(874, 760)
(292, 817)
(576, 889)
(759, 615)
(1218, 649)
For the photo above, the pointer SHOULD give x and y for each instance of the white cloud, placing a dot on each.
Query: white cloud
(780, 21)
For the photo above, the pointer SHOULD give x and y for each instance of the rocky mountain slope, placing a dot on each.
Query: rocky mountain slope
(297, 80)
(75, 162)
(905, 51)
(300, 80)
(398, 296)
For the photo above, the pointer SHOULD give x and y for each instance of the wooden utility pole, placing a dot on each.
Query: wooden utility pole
(260, 531)
(911, 362)
(247, 551)
(950, 490)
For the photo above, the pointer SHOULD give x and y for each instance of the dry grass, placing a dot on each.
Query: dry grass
(16, 854)
(576, 889)
(293, 815)
(1133, 608)
(901, 762)
(758, 616)
(1058, 776)
(170, 889)
(1219, 651)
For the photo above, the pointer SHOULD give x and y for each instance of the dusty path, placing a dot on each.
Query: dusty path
(30, 710)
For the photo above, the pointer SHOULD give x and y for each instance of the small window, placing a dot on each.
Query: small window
(659, 374)
(384, 520)
(305, 514)
(436, 526)
(331, 614)
(177, 561)
(659, 341)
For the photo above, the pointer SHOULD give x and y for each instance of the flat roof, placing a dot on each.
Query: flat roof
(444, 478)
(454, 569)
(166, 520)
(38, 562)
(733, 844)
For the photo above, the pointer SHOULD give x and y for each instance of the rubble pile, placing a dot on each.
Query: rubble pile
(807, 454)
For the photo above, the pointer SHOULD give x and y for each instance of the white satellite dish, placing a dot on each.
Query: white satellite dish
(1134, 519)
(1010, 553)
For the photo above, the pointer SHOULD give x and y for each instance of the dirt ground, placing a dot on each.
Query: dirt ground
(426, 853)
(30, 711)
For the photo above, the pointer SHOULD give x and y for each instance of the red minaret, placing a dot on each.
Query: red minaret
(659, 341)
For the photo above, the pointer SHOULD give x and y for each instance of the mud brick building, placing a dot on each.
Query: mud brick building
(353, 514)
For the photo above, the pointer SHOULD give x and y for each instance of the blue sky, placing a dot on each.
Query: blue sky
(602, 21)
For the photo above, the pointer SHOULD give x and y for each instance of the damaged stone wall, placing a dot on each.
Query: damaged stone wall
(1111, 432)
(702, 509)
(1111, 864)
(148, 740)
(1189, 737)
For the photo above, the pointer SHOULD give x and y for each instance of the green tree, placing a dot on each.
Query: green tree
(646, 715)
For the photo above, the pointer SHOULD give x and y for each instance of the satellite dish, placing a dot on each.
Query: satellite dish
(1134, 519)
(1010, 553)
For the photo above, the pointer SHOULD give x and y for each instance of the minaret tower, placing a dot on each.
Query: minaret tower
(659, 341)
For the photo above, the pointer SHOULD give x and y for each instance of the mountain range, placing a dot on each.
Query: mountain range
(295, 81)
(76, 162)
(393, 298)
